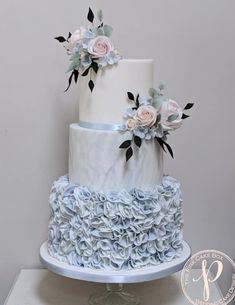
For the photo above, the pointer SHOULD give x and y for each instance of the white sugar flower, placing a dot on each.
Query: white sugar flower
(74, 38)
(171, 115)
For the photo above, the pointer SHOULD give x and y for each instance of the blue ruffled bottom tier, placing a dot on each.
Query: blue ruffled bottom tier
(115, 230)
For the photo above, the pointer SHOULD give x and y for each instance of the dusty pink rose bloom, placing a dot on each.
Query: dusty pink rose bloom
(100, 46)
(168, 108)
(146, 116)
(74, 38)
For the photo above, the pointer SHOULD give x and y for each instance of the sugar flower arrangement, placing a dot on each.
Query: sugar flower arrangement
(152, 117)
(90, 49)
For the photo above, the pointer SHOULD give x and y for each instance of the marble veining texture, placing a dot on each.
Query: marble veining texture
(95, 160)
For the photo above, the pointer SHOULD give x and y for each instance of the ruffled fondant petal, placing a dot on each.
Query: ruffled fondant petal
(115, 230)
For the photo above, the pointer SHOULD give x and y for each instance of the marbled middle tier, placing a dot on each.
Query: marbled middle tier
(108, 101)
(95, 160)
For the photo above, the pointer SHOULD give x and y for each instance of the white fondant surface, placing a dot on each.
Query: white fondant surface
(108, 101)
(96, 161)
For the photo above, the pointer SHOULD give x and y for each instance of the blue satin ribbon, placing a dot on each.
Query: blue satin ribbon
(102, 126)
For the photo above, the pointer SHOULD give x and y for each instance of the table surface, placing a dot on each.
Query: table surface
(42, 287)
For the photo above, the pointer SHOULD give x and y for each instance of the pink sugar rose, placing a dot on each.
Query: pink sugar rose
(131, 124)
(146, 116)
(74, 38)
(100, 46)
(171, 108)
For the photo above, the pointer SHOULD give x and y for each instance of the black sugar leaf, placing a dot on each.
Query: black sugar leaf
(184, 116)
(86, 72)
(60, 39)
(129, 153)
(160, 141)
(137, 101)
(95, 66)
(75, 73)
(137, 141)
(70, 80)
(169, 149)
(125, 144)
(163, 144)
(91, 85)
(188, 106)
(90, 15)
(130, 96)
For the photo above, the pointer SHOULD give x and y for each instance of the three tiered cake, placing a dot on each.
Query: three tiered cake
(115, 209)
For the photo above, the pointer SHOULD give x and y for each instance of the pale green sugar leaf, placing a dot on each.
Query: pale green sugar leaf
(100, 31)
(157, 101)
(93, 30)
(150, 101)
(75, 56)
(74, 64)
(172, 118)
(152, 92)
(107, 30)
(162, 85)
(100, 15)
(158, 118)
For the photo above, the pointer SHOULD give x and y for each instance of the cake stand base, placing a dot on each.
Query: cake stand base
(114, 295)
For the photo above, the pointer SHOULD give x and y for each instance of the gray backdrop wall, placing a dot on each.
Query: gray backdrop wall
(193, 45)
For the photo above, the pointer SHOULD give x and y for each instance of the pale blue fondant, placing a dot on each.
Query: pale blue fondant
(103, 126)
(115, 230)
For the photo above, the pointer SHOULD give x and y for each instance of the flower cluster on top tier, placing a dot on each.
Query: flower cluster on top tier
(90, 49)
(152, 118)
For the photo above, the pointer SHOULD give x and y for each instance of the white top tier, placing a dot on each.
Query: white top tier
(108, 101)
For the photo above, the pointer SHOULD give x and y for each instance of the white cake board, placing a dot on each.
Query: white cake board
(121, 276)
